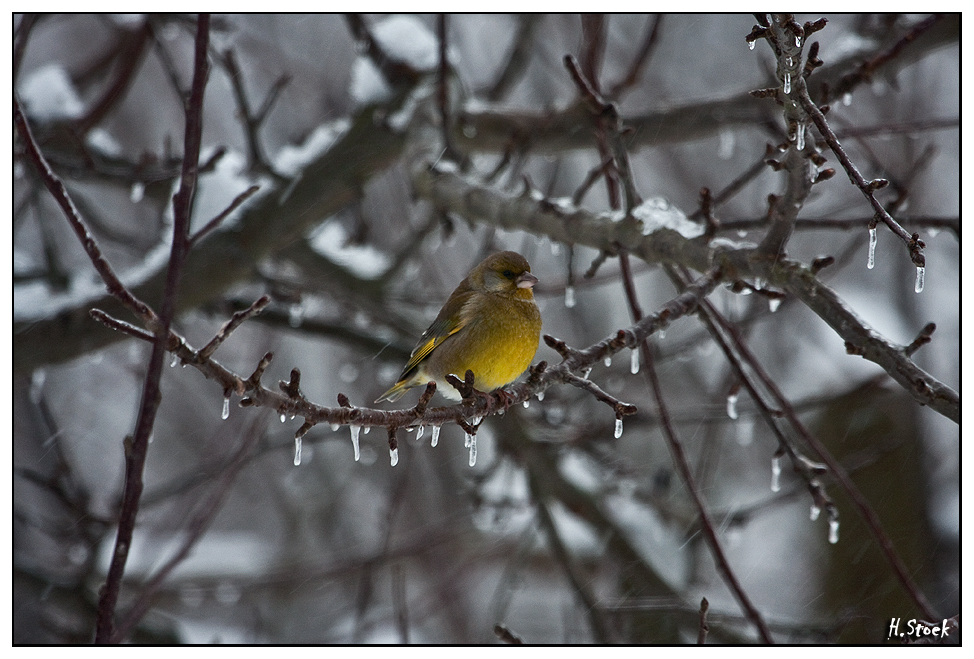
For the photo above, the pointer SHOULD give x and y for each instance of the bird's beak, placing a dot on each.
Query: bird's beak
(526, 280)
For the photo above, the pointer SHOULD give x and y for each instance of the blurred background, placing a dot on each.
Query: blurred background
(561, 532)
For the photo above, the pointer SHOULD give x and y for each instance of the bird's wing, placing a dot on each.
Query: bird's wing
(452, 318)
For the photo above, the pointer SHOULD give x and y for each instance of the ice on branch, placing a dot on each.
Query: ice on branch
(368, 86)
(657, 213)
(48, 94)
(355, 431)
(406, 39)
(873, 239)
(291, 159)
(732, 406)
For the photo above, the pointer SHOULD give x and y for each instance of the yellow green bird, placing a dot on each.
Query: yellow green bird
(489, 325)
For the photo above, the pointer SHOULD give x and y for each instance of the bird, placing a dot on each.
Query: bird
(489, 325)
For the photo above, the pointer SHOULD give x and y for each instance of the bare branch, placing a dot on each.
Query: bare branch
(868, 188)
(60, 194)
(137, 449)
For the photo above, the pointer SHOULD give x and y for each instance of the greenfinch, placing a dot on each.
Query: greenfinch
(489, 325)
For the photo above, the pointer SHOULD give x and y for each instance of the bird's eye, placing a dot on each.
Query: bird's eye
(508, 274)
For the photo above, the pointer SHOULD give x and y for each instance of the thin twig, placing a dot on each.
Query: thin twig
(215, 222)
(639, 62)
(704, 628)
(517, 60)
(860, 502)
(137, 446)
(129, 58)
(578, 582)
(233, 324)
(868, 188)
(686, 473)
(196, 527)
(56, 187)
(257, 160)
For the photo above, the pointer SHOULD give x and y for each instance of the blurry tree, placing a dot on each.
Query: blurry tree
(719, 365)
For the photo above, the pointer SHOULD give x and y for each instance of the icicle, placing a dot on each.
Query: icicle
(283, 417)
(618, 430)
(570, 296)
(725, 147)
(137, 193)
(173, 361)
(750, 45)
(815, 512)
(634, 362)
(800, 138)
(335, 426)
(774, 303)
(744, 432)
(394, 456)
(608, 361)
(776, 473)
(367, 429)
(833, 530)
(225, 414)
(661, 333)
(873, 239)
(527, 404)
(473, 450)
(540, 396)
(847, 99)
(297, 451)
(354, 430)
(918, 287)
(435, 436)
(732, 405)
(787, 88)
(419, 432)
(798, 41)
(37, 379)
(295, 315)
